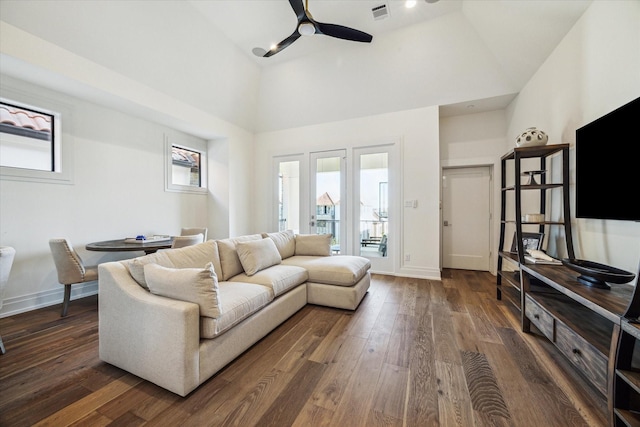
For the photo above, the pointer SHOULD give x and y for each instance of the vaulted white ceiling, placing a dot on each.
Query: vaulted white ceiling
(452, 52)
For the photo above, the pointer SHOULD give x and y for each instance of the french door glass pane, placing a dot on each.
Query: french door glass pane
(328, 195)
(289, 196)
(374, 204)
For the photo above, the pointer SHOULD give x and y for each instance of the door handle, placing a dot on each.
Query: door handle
(446, 223)
(312, 223)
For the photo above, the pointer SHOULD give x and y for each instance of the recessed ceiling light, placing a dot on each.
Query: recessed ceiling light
(410, 4)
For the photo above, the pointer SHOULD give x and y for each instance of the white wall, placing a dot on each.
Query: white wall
(594, 70)
(166, 45)
(354, 82)
(417, 133)
(117, 191)
(477, 140)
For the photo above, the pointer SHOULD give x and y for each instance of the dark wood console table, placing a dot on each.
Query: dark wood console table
(583, 322)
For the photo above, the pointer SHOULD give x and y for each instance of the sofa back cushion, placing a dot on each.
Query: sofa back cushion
(313, 244)
(285, 242)
(195, 256)
(229, 260)
(196, 285)
(256, 255)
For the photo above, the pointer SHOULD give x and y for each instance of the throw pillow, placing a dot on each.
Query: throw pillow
(229, 260)
(285, 242)
(313, 244)
(257, 255)
(196, 285)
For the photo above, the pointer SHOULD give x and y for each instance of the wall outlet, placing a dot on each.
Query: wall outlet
(407, 257)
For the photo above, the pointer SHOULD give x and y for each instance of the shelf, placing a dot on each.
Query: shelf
(533, 187)
(630, 377)
(511, 221)
(512, 278)
(630, 418)
(531, 152)
(512, 296)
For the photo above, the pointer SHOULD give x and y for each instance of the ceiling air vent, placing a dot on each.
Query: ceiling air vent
(380, 12)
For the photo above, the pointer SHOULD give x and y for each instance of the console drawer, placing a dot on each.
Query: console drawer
(539, 317)
(583, 355)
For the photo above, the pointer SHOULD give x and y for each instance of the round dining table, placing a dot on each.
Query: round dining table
(121, 245)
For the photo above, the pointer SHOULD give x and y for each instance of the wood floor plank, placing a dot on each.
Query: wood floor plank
(401, 340)
(285, 409)
(422, 394)
(355, 404)
(483, 387)
(416, 352)
(312, 415)
(90, 403)
(332, 386)
(454, 403)
(390, 396)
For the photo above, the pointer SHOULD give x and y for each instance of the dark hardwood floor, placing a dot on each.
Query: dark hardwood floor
(415, 353)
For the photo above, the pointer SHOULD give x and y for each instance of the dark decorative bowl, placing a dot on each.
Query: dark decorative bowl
(597, 275)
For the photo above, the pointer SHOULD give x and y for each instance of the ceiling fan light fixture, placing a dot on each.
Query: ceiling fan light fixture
(306, 29)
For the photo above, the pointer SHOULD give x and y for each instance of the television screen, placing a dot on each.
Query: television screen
(607, 166)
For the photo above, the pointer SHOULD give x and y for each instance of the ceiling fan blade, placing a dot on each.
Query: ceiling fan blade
(283, 44)
(341, 32)
(298, 8)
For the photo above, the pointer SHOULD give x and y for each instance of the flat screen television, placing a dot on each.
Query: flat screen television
(608, 166)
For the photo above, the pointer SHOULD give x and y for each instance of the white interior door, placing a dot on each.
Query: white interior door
(327, 185)
(466, 218)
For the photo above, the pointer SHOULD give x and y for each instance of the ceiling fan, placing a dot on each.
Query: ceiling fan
(307, 26)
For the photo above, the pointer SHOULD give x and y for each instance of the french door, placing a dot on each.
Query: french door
(348, 193)
(373, 201)
(327, 190)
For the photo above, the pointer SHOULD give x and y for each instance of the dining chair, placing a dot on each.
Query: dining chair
(182, 241)
(7, 254)
(192, 231)
(71, 269)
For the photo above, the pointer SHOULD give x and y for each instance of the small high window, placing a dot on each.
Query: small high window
(26, 138)
(186, 169)
(30, 143)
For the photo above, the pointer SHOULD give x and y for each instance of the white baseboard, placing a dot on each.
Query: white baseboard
(414, 273)
(24, 303)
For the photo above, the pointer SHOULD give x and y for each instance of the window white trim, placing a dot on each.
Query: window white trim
(63, 165)
(168, 169)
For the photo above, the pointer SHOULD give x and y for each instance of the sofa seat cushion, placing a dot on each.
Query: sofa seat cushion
(280, 278)
(340, 270)
(194, 256)
(238, 301)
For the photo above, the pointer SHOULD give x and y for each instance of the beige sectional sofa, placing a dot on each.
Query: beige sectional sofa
(178, 316)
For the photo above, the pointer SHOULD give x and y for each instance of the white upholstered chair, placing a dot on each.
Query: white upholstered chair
(192, 231)
(71, 269)
(182, 241)
(7, 254)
